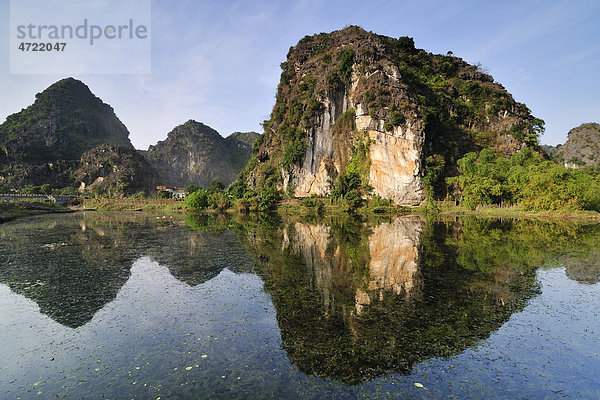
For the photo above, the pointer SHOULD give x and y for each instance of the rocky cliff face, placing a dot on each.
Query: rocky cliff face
(116, 170)
(353, 102)
(64, 121)
(194, 153)
(44, 142)
(582, 148)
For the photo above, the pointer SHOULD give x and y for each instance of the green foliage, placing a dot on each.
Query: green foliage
(267, 199)
(199, 200)
(345, 123)
(396, 119)
(433, 179)
(219, 201)
(553, 187)
(30, 189)
(191, 189)
(346, 59)
(215, 186)
(406, 44)
(46, 188)
(293, 152)
(526, 180)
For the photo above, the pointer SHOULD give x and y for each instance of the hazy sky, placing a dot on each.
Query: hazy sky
(218, 61)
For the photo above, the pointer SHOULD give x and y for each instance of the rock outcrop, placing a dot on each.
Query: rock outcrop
(353, 102)
(194, 153)
(116, 170)
(582, 148)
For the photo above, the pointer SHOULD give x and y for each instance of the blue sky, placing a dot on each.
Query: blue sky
(218, 61)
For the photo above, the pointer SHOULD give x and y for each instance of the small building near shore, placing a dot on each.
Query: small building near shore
(177, 193)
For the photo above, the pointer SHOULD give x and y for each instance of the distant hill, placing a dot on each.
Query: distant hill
(70, 137)
(241, 144)
(582, 148)
(64, 121)
(550, 150)
(194, 153)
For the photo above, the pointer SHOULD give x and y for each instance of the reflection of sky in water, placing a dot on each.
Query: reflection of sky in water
(155, 323)
(220, 338)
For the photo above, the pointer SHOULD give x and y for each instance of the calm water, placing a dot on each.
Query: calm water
(145, 306)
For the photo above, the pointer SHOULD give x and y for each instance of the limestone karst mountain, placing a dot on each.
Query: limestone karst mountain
(358, 109)
(194, 153)
(70, 138)
(42, 143)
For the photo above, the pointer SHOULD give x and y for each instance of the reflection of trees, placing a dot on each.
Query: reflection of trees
(354, 302)
(526, 243)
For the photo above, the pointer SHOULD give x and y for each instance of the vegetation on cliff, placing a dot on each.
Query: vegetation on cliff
(65, 120)
(115, 170)
(43, 143)
(457, 107)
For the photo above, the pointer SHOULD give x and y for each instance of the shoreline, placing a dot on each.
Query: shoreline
(10, 211)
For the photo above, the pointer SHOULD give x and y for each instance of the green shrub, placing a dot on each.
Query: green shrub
(267, 199)
(191, 189)
(346, 59)
(198, 200)
(526, 180)
(396, 119)
(219, 201)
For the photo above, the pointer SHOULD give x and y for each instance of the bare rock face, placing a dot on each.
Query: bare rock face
(355, 104)
(395, 171)
(194, 153)
(582, 148)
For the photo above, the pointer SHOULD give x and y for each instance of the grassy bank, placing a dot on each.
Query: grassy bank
(124, 204)
(291, 207)
(324, 207)
(447, 208)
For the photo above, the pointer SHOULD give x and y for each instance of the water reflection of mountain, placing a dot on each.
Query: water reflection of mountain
(69, 269)
(354, 302)
(197, 255)
(71, 266)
